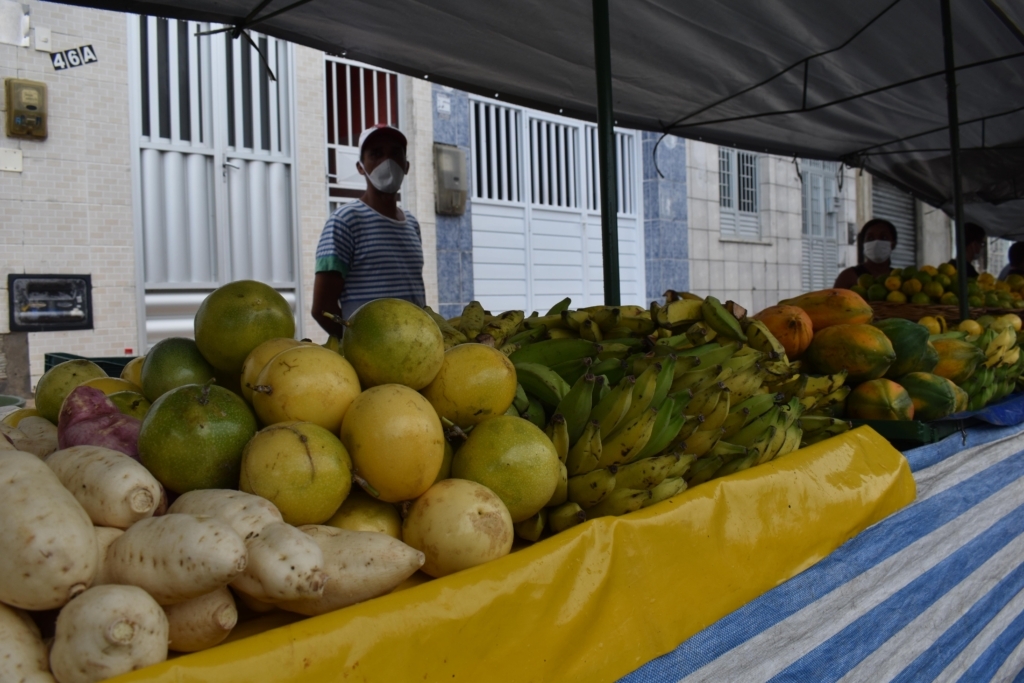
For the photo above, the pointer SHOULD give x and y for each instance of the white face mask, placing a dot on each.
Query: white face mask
(878, 251)
(387, 177)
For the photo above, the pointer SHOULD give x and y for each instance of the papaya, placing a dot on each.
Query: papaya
(791, 326)
(928, 360)
(957, 359)
(962, 399)
(862, 350)
(934, 397)
(909, 341)
(880, 399)
(830, 307)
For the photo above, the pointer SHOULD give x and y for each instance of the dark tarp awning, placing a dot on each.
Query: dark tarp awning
(854, 80)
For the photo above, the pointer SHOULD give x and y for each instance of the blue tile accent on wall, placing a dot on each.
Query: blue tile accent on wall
(467, 275)
(454, 233)
(666, 238)
(449, 269)
(450, 310)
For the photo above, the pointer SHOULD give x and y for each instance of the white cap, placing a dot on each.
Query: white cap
(376, 128)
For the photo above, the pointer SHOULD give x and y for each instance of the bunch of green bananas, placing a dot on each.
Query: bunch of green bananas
(1000, 373)
(642, 403)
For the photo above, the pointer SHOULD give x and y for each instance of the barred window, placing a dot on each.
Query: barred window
(739, 194)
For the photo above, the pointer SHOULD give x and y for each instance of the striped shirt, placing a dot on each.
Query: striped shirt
(378, 257)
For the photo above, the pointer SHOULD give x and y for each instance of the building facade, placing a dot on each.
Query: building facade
(180, 160)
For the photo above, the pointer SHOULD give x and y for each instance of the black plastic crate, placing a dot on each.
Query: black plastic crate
(111, 365)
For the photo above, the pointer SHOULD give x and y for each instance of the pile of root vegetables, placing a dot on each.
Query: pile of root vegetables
(87, 531)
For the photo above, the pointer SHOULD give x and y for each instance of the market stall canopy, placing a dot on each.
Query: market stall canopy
(860, 81)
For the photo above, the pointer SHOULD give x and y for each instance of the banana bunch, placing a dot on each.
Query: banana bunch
(641, 403)
(1000, 373)
(820, 427)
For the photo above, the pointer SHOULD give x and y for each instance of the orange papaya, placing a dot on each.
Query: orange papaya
(957, 359)
(934, 397)
(830, 307)
(880, 399)
(862, 350)
(909, 341)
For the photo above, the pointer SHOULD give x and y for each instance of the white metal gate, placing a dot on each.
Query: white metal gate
(357, 97)
(895, 205)
(536, 210)
(214, 188)
(822, 206)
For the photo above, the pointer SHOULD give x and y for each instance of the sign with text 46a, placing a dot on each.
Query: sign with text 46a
(76, 56)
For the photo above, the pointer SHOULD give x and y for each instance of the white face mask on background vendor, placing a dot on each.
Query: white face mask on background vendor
(878, 251)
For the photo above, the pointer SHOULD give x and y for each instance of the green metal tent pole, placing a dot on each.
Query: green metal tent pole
(606, 154)
(954, 148)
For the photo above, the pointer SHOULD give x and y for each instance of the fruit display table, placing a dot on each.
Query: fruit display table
(595, 602)
(931, 593)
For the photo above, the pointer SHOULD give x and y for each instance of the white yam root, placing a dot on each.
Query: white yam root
(108, 631)
(47, 547)
(361, 565)
(202, 622)
(22, 652)
(284, 564)
(246, 513)
(178, 557)
(105, 536)
(114, 489)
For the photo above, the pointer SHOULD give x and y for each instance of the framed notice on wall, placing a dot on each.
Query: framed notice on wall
(49, 303)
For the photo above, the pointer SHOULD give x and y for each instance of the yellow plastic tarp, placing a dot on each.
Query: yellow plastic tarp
(597, 601)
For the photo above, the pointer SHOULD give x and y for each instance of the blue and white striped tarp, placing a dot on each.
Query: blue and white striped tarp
(934, 592)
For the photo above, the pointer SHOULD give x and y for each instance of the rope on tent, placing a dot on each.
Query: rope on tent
(667, 130)
(848, 98)
(865, 151)
(1007, 21)
(239, 29)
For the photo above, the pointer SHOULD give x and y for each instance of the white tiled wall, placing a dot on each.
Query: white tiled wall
(311, 164)
(755, 274)
(69, 211)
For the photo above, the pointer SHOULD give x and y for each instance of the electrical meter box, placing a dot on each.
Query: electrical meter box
(49, 303)
(451, 180)
(26, 108)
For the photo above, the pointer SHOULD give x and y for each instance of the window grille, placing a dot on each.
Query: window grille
(739, 194)
(554, 156)
(357, 97)
(495, 132)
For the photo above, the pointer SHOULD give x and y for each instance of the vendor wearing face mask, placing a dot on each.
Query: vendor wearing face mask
(370, 248)
(974, 236)
(875, 243)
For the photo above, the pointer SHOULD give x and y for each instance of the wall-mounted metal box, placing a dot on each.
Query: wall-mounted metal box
(26, 108)
(451, 180)
(49, 303)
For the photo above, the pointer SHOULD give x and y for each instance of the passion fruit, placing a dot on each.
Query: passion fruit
(59, 381)
(475, 382)
(301, 468)
(396, 441)
(258, 359)
(458, 524)
(513, 458)
(238, 317)
(306, 383)
(391, 341)
(193, 437)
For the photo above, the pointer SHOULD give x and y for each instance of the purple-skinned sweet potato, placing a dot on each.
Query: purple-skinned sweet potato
(88, 418)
